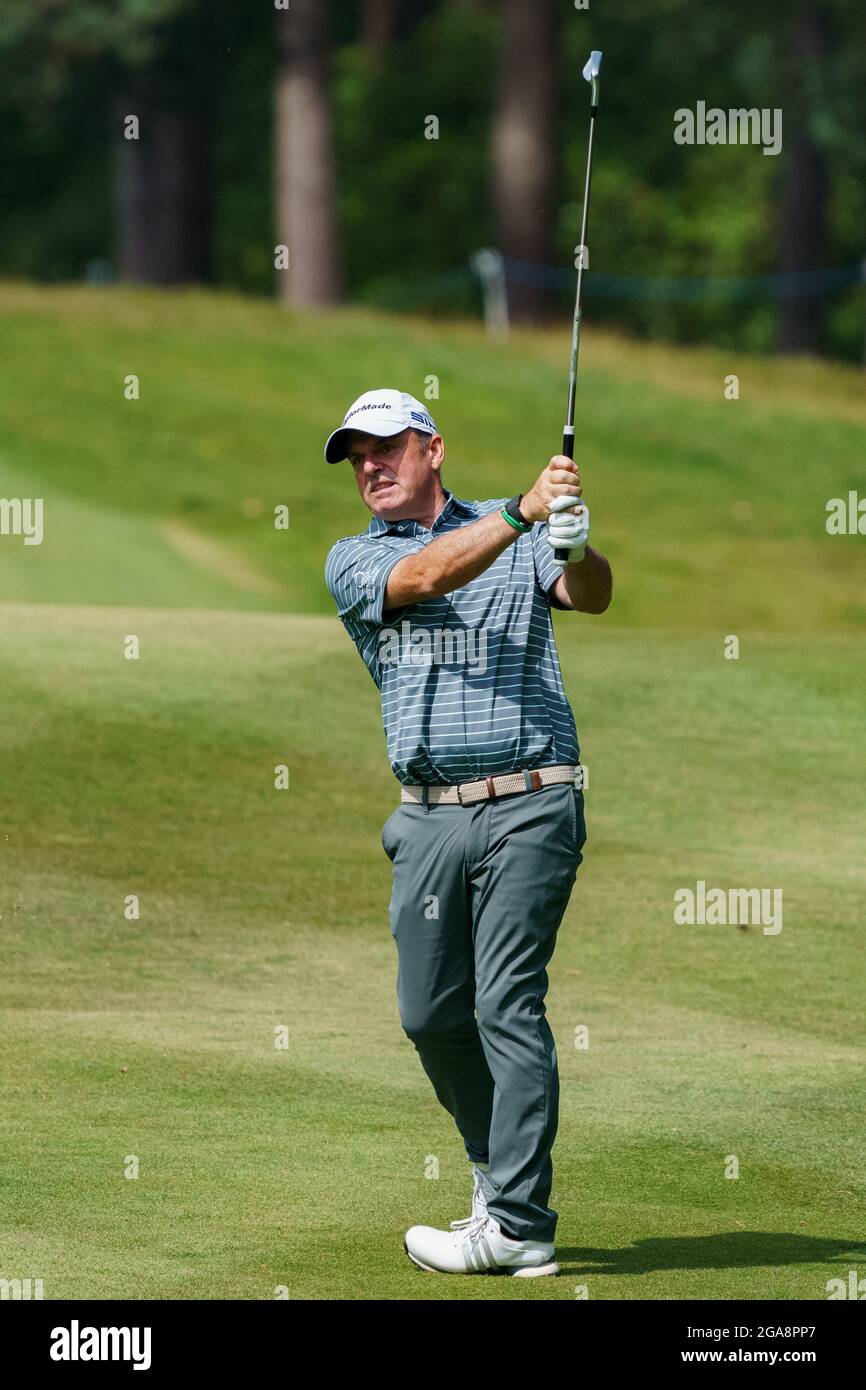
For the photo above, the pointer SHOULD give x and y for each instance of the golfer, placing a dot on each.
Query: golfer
(448, 603)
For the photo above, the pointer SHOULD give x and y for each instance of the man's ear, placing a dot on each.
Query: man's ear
(437, 452)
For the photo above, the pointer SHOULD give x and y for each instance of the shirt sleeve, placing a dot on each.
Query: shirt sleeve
(547, 571)
(356, 573)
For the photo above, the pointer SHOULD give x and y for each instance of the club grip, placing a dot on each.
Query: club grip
(568, 450)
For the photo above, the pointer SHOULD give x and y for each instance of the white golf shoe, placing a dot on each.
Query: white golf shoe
(479, 1203)
(478, 1248)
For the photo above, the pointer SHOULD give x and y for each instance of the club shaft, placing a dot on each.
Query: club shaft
(575, 335)
(568, 431)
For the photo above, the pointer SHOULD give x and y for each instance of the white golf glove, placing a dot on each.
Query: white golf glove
(567, 531)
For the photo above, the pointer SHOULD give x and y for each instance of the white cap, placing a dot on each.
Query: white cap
(380, 412)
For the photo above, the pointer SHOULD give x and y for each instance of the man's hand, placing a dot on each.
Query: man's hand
(568, 530)
(585, 584)
(561, 478)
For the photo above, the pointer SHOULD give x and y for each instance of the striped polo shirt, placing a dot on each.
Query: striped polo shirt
(470, 682)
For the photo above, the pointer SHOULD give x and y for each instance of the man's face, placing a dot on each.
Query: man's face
(394, 474)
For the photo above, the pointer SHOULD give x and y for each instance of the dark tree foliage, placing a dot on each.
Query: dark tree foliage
(411, 210)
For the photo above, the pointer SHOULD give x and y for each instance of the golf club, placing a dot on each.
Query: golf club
(591, 73)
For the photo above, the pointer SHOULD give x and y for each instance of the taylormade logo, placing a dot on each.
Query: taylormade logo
(736, 907)
(434, 646)
(371, 405)
(734, 127)
(76, 1343)
(423, 419)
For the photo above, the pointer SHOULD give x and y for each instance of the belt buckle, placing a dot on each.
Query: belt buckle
(461, 785)
(492, 793)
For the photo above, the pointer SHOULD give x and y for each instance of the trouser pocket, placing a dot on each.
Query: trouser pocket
(579, 823)
(388, 843)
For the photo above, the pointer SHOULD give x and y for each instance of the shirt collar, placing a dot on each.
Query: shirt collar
(453, 505)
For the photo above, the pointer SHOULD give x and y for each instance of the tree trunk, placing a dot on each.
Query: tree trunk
(379, 27)
(523, 146)
(803, 231)
(305, 174)
(163, 193)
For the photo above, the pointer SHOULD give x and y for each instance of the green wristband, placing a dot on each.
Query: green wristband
(511, 522)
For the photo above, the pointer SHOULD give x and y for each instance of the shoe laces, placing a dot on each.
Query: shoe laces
(475, 1229)
(467, 1221)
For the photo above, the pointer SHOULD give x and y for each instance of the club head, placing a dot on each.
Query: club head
(591, 73)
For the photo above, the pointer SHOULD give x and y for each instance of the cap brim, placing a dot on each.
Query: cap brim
(337, 446)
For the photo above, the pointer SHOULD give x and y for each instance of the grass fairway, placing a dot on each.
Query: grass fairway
(301, 1167)
(712, 511)
(152, 1040)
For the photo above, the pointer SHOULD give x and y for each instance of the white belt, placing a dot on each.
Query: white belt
(504, 784)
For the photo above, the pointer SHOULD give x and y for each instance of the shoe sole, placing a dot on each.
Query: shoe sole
(530, 1272)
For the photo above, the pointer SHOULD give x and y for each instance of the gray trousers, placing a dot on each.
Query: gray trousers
(478, 896)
